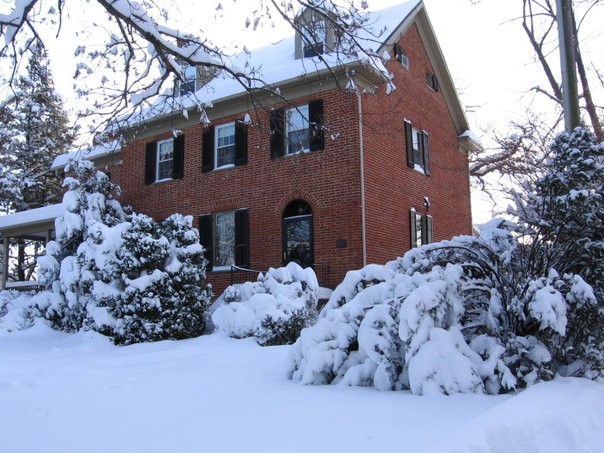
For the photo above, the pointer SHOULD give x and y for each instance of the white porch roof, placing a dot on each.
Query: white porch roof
(38, 220)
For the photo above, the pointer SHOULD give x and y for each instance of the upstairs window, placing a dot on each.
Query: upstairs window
(297, 129)
(225, 238)
(401, 56)
(421, 228)
(315, 36)
(432, 81)
(187, 85)
(418, 148)
(224, 146)
(164, 159)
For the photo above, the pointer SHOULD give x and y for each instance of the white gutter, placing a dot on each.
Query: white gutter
(361, 156)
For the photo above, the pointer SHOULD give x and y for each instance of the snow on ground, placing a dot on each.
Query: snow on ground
(79, 393)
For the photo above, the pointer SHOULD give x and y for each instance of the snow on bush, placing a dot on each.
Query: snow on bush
(121, 273)
(518, 304)
(448, 317)
(273, 309)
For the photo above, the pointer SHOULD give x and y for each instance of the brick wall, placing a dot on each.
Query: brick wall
(325, 179)
(329, 180)
(392, 188)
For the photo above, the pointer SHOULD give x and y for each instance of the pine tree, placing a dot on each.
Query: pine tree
(118, 272)
(564, 212)
(35, 130)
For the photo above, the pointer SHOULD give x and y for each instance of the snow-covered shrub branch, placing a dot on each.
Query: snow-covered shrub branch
(121, 273)
(273, 309)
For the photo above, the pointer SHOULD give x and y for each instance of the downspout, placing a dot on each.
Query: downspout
(362, 158)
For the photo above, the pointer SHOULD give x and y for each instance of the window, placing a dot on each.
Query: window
(420, 227)
(224, 146)
(164, 159)
(432, 81)
(187, 85)
(418, 148)
(225, 237)
(298, 243)
(315, 35)
(297, 129)
(401, 56)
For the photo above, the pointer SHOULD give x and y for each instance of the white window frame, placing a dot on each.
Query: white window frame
(303, 114)
(159, 161)
(217, 147)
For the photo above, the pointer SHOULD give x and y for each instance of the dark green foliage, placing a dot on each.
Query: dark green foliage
(283, 331)
(122, 273)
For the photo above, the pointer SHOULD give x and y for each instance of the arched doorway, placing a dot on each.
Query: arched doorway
(298, 244)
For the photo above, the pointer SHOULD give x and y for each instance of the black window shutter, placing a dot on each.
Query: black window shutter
(240, 143)
(409, 143)
(242, 238)
(315, 116)
(178, 164)
(412, 227)
(207, 150)
(150, 162)
(277, 131)
(426, 153)
(206, 238)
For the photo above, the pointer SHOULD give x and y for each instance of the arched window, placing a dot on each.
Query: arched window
(298, 234)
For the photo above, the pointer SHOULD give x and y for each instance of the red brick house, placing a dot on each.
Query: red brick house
(329, 177)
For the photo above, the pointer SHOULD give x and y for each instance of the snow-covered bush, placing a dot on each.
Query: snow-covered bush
(492, 313)
(448, 317)
(121, 273)
(273, 309)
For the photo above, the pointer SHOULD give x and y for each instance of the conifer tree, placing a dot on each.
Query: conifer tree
(35, 130)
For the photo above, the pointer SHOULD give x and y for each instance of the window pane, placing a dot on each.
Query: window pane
(166, 150)
(225, 239)
(225, 145)
(417, 155)
(188, 85)
(297, 129)
(315, 33)
(298, 241)
(418, 230)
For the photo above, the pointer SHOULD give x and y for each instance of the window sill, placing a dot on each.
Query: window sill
(222, 268)
(159, 181)
(297, 153)
(224, 167)
(419, 169)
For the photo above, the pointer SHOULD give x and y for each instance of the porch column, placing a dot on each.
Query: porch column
(4, 261)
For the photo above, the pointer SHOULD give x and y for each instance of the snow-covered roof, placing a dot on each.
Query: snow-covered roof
(27, 221)
(276, 64)
(95, 152)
